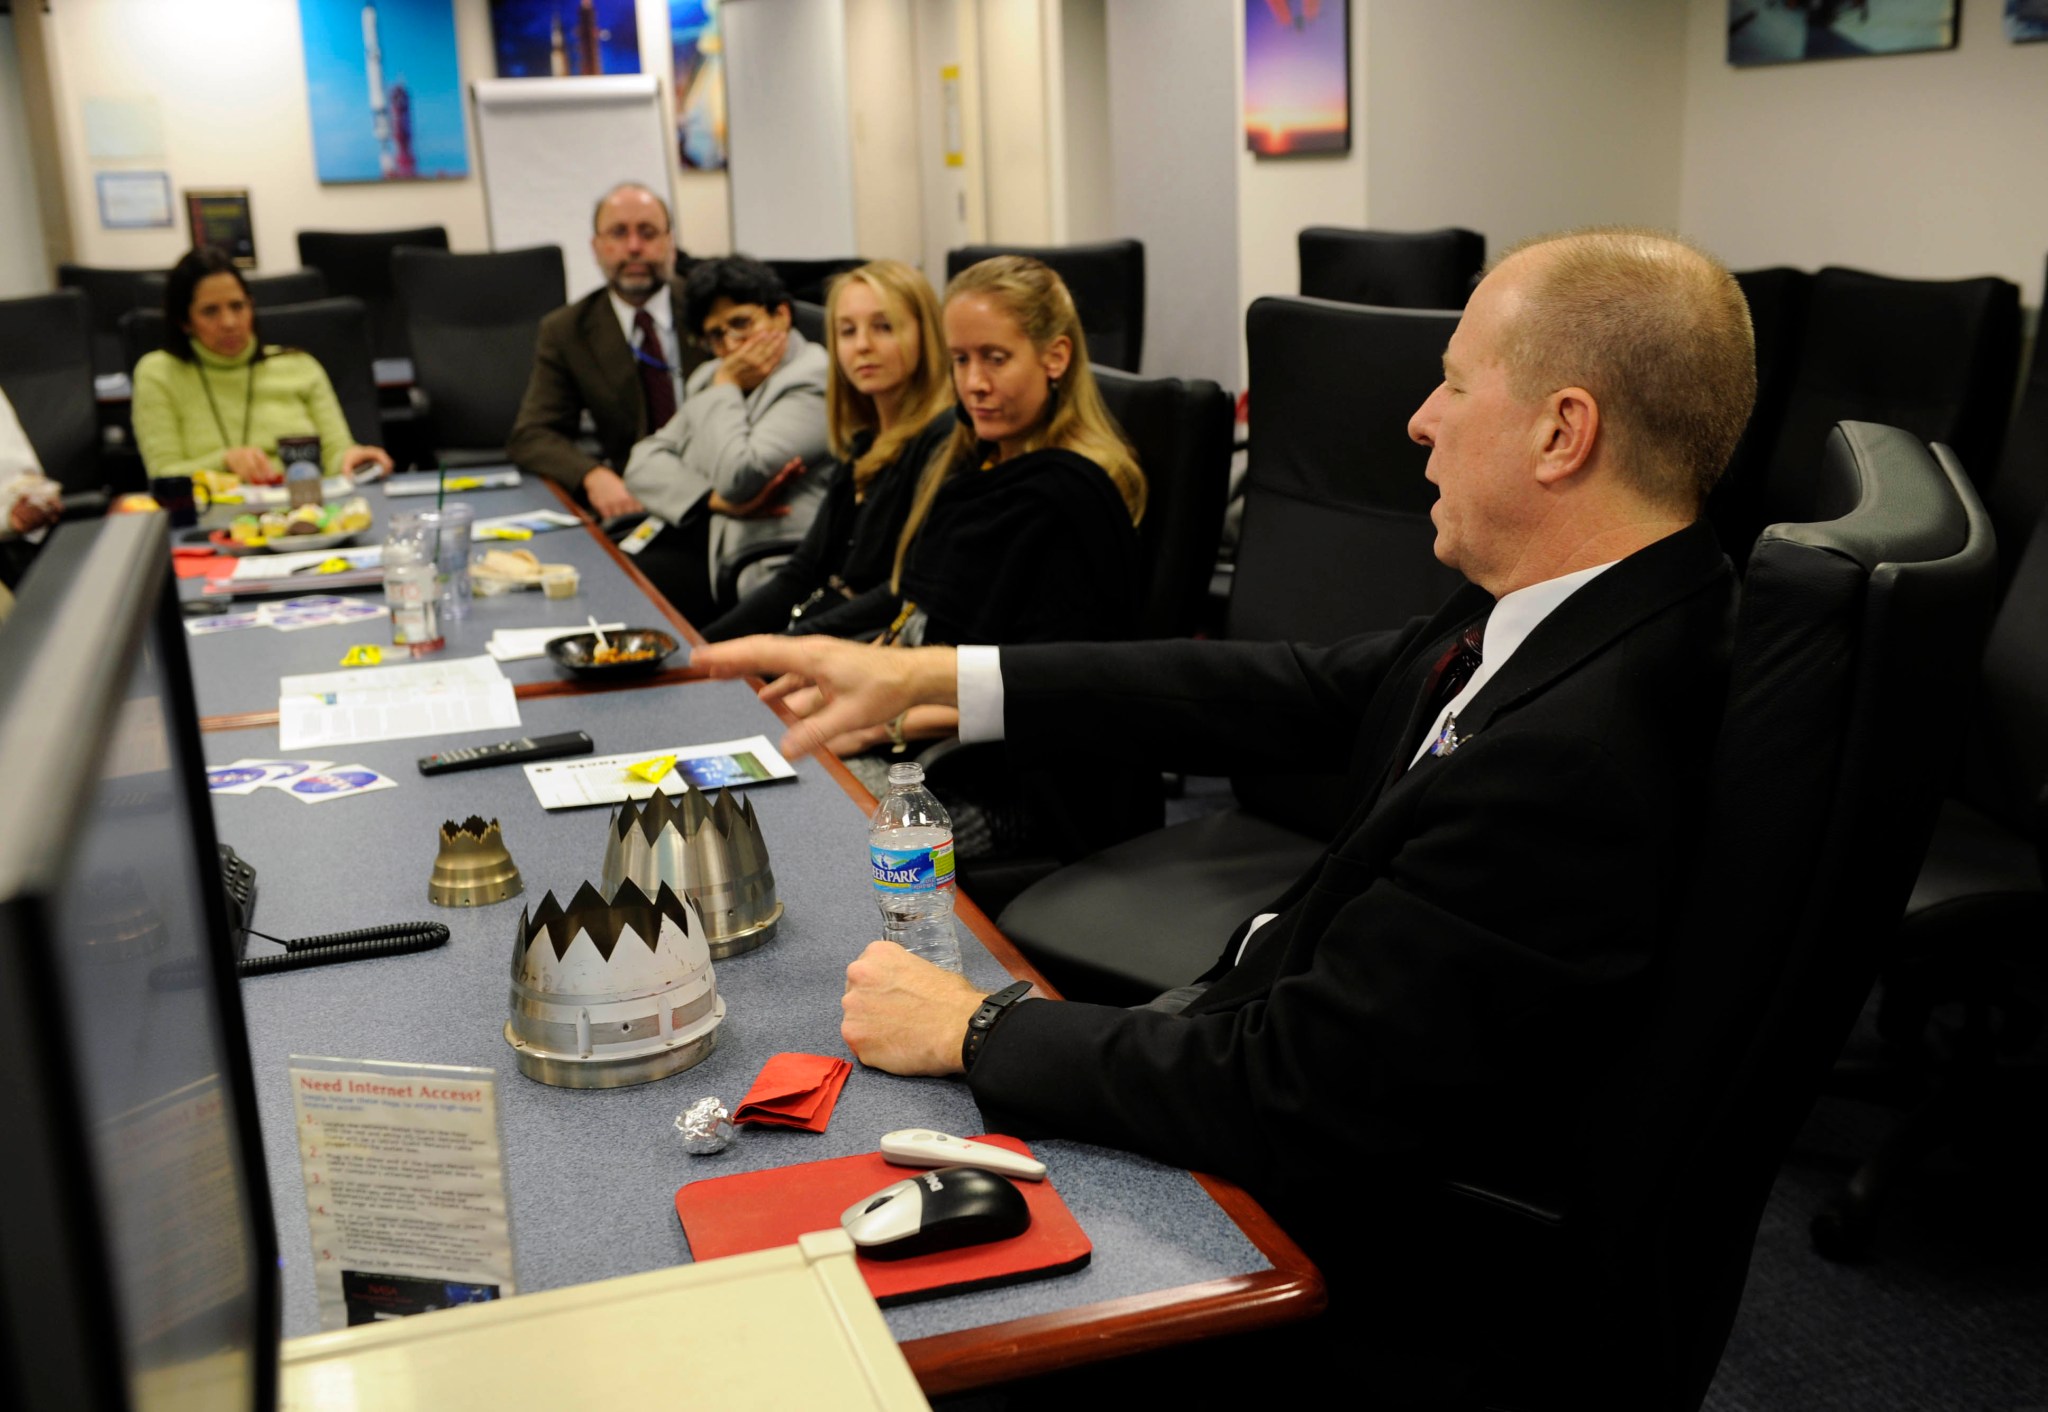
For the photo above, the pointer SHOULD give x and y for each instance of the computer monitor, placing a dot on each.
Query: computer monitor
(138, 1257)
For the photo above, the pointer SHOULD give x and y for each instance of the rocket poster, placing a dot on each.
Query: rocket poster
(386, 90)
(565, 38)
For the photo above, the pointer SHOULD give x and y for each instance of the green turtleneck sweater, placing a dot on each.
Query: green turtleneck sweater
(179, 430)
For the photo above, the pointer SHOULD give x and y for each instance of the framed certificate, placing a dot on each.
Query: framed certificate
(134, 200)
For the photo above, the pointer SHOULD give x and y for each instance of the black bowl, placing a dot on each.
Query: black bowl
(572, 654)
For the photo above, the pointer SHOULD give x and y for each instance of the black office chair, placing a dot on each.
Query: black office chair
(472, 321)
(358, 262)
(1777, 310)
(288, 287)
(1430, 269)
(809, 280)
(109, 294)
(47, 364)
(1181, 432)
(2018, 492)
(1620, 1290)
(809, 320)
(1337, 540)
(1933, 357)
(335, 331)
(1975, 931)
(1107, 281)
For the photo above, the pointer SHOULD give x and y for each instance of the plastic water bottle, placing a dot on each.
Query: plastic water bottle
(910, 853)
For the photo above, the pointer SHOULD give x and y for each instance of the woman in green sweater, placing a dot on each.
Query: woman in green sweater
(214, 398)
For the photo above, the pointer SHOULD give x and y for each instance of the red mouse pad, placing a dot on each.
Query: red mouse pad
(759, 1210)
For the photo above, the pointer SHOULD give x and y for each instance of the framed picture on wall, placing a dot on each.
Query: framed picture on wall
(565, 38)
(221, 217)
(1297, 77)
(135, 200)
(700, 84)
(385, 89)
(2026, 20)
(1792, 31)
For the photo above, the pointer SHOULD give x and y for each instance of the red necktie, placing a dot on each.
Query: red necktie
(654, 378)
(1446, 679)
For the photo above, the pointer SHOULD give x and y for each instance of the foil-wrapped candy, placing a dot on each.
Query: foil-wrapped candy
(706, 1127)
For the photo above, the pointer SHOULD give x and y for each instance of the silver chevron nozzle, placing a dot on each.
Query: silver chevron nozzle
(609, 993)
(710, 852)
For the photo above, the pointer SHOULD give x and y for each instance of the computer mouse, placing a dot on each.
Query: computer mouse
(942, 1209)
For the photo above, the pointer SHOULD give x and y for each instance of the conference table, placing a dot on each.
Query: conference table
(592, 1174)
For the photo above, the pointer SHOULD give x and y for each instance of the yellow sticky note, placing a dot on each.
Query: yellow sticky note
(367, 654)
(464, 482)
(336, 565)
(504, 532)
(653, 770)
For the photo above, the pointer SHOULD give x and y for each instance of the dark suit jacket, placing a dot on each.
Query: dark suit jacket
(1436, 988)
(581, 361)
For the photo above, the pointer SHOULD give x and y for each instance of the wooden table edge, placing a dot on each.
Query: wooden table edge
(991, 1353)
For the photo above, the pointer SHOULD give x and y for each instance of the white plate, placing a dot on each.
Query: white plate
(298, 543)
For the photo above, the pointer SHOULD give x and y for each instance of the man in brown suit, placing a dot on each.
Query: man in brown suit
(616, 353)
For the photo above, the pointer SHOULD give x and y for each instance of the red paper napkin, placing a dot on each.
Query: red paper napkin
(795, 1091)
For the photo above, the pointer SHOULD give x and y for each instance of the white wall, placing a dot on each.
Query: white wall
(229, 77)
(1517, 119)
(790, 137)
(1084, 199)
(881, 88)
(23, 267)
(1017, 161)
(1278, 196)
(1173, 136)
(1922, 165)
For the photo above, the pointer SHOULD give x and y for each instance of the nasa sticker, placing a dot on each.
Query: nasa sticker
(236, 779)
(324, 785)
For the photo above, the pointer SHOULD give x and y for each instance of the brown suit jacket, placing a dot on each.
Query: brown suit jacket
(582, 362)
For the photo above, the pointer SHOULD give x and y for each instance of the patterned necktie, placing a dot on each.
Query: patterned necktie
(654, 378)
(1446, 679)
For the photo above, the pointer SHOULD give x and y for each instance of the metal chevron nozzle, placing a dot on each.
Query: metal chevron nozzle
(607, 993)
(473, 867)
(710, 853)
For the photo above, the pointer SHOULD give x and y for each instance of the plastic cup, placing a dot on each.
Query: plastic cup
(444, 533)
(560, 581)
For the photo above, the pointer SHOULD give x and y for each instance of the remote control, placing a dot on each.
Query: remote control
(523, 751)
(920, 1147)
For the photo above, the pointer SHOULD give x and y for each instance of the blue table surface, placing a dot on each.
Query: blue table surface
(592, 1175)
(237, 672)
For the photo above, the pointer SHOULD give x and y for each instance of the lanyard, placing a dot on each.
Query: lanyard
(248, 403)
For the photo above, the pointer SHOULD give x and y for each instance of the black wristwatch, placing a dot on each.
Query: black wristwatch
(992, 1010)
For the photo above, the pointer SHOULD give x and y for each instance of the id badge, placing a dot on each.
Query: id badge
(642, 535)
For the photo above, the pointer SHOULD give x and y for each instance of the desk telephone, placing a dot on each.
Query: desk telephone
(238, 880)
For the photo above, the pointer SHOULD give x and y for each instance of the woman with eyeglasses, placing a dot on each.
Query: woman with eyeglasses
(726, 477)
(888, 407)
(216, 398)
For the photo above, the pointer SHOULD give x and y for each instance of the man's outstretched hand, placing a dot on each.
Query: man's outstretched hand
(904, 1014)
(834, 686)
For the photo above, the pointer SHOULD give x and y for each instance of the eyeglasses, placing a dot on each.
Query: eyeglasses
(735, 329)
(619, 234)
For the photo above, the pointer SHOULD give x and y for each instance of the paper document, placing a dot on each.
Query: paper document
(531, 521)
(610, 779)
(480, 478)
(305, 565)
(404, 702)
(517, 644)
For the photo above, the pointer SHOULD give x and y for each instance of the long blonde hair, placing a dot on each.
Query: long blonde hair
(907, 298)
(1037, 301)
